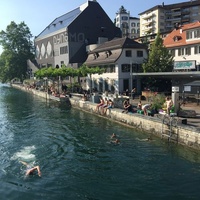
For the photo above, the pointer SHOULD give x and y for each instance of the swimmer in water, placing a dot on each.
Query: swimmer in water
(113, 135)
(146, 139)
(30, 170)
(116, 141)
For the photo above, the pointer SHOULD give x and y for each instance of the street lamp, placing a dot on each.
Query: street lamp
(131, 74)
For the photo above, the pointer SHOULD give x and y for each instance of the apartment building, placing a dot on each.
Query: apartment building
(163, 18)
(130, 26)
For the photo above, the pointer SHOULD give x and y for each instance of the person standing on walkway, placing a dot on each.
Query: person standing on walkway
(169, 104)
(133, 91)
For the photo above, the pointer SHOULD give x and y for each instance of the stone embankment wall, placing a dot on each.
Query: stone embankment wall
(181, 133)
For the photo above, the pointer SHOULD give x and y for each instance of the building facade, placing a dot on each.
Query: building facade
(64, 41)
(130, 26)
(163, 18)
(120, 58)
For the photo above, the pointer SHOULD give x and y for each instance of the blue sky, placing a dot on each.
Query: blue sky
(38, 14)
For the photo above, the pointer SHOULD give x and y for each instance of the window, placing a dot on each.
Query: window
(189, 35)
(197, 33)
(139, 53)
(172, 52)
(133, 24)
(180, 51)
(125, 67)
(124, 18)
(195, 7)
(63, 50)
(187, 51)
(194, 14)
(133, 31)
(128, 53)
(124, 25)
(196, 49)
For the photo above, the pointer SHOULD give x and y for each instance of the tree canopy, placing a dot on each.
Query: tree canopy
(67, 71)
(159, 59)
(17, 49)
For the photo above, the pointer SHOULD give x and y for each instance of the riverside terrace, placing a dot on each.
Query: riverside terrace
(162, 126)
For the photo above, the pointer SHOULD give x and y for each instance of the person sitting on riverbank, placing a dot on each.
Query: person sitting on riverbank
(125, 103)
(109, 106)
(139, 106)
(145, 108)
(30, 170)
(127, 107)
(101, 108)
(99, 104)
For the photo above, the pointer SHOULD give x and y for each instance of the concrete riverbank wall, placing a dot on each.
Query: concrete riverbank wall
(159, 125)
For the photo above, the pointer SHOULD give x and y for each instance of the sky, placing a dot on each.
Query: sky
(38, 14)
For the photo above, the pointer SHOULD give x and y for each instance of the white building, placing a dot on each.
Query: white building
(130, 26)
(120, 58)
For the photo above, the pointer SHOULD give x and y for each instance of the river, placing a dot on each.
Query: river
(77, 159)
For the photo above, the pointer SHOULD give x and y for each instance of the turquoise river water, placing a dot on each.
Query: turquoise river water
(79, 162)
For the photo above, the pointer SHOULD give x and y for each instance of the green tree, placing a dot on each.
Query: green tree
(159, 59)
(17, 49)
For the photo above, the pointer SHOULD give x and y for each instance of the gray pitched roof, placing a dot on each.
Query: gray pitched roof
(61, 22)
(119, 43)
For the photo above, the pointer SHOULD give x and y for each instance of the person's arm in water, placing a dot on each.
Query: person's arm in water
(24, 163)
(29, 171)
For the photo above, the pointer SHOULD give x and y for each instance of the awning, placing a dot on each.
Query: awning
(193, 83)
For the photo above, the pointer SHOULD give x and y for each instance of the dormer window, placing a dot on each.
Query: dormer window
(96, 55)
(177, 38)
(108, 53)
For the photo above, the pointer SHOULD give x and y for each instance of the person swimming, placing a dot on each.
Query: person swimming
(116, 141)
(146, 139)
(30, 170)
(113, 135)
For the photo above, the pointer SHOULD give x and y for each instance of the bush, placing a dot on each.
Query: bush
(158, 101)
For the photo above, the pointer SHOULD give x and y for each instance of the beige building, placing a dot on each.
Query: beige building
(162, 18)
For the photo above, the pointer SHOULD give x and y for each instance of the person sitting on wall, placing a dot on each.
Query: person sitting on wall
(106, 102)
(128, 107)
(145, 108)
(110, 105)
(125, 103)
(99, 104)
(139, 106)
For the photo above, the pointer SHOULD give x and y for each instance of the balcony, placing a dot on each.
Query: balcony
(147, 22)
(149, 15)
(176, 13)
